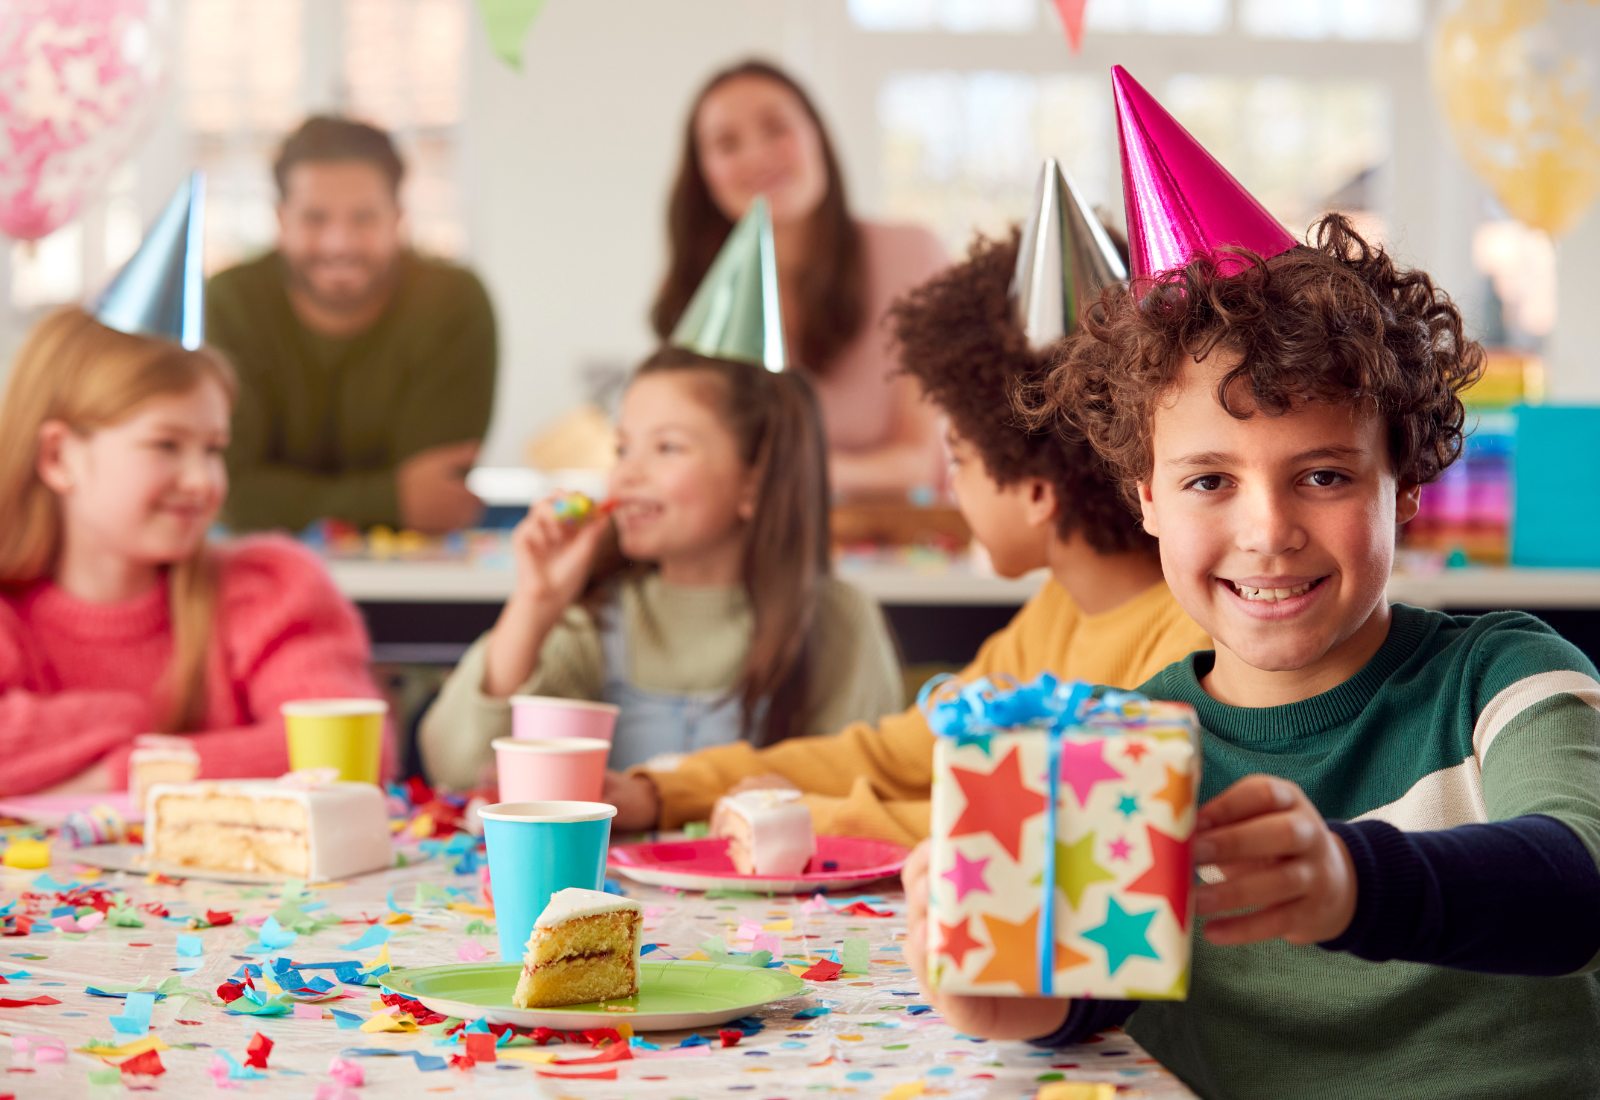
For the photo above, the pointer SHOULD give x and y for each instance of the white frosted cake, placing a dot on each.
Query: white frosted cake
(584, 948)
(269, 827)
(769, 832)
(158, 758)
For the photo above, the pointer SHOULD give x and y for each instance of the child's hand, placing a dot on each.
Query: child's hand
(636, 799)
(1279, 858)
(552, 558)
(985, 1017)
(553, 555)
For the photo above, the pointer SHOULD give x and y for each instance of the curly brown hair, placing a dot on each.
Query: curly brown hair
(1334, 320)
(957, 334)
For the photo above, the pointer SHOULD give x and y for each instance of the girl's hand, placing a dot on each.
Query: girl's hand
(985, 1017)
(552, 558)
(1279, 859)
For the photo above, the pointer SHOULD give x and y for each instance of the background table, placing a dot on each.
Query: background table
(875, 1041)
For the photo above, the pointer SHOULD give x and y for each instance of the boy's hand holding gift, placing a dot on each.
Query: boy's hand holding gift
(1277, 858)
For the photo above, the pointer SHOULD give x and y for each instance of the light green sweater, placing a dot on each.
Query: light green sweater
(680, 641)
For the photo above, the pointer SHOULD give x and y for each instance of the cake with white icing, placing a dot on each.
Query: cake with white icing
(291, 827)
(769, 832)
(159, 758)
(584, 948)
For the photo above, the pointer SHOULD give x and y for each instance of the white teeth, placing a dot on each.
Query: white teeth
(1272, 595)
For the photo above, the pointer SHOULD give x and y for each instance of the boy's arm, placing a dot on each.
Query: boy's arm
(1521, 894)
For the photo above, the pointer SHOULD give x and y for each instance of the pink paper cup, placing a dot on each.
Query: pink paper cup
(545, 718)
(567, 769)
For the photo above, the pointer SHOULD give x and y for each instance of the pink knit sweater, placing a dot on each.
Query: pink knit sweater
(79, 681)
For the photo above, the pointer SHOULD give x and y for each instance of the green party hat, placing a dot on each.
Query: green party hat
(1064, 261)
(734, 313)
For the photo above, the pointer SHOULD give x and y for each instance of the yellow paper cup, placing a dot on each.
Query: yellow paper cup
(346, 734)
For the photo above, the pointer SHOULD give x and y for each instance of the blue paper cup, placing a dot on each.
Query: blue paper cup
(535, 849)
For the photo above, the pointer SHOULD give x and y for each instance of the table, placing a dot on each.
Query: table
(875, 1042)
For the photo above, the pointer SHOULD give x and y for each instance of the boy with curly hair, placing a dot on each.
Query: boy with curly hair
(1401, 824)
(1035, 500)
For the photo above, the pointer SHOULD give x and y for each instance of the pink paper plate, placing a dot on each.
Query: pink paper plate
(704, 865)
(52, 809)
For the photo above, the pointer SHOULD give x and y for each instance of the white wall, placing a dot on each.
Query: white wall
(568, 165)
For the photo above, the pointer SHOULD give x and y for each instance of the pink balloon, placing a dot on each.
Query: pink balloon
(79, 81)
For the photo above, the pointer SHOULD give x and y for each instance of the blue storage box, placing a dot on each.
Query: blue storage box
(1555, 508)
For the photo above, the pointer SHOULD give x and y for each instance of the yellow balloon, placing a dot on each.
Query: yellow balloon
(1519, 81)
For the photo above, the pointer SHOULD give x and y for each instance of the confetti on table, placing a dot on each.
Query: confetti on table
(823, 971)
(190, 947)
(147, 1064)
(1076, 1090)
(372, 937)
(471, 951)
(258, 1050)
(135, 1018)
(78, 924)
(347, 1021)
(346, 1073)
(271, 937)
(27, 854)
(855, 956)
(816, 904)
(308, 1012)
(427, 1063)
(480, 1048)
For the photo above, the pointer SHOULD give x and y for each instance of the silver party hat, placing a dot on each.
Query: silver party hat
(1064, 261)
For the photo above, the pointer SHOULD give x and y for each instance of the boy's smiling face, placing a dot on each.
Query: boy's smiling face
(1277, 534)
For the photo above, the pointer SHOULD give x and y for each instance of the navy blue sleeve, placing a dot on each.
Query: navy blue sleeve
(1086, 1017)
(1510, 897)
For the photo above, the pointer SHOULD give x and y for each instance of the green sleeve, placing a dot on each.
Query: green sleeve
(855, 672)
(457, 734)
(451, 396)
(1546, 760)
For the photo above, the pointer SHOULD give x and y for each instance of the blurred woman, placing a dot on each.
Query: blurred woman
(753, 131)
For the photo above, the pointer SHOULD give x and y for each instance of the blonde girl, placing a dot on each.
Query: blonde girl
(116, 617)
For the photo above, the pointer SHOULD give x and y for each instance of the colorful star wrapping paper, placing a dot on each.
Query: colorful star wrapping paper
(1124, 817)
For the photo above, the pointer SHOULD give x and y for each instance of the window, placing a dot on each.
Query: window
(244, 64)
(962, 150)
(1299, 146)
(1360, 20)
(1156, 16)
(1021, 16)
(960, 16)
(403, 66)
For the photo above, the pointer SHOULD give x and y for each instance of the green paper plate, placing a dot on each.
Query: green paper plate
(672, 995)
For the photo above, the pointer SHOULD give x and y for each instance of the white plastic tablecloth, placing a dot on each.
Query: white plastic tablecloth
(876, 1041)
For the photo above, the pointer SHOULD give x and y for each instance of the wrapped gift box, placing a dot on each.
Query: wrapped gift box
(1124, 814)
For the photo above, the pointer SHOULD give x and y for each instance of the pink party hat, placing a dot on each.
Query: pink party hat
(1180, 201)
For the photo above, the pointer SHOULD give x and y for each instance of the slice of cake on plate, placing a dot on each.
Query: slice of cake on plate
(159, 758)
(769, 832)
(294, 827)
(584, 948)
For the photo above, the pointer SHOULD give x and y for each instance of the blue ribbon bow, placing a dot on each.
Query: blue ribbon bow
(972, 713)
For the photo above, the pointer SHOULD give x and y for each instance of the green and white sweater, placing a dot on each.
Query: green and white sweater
(1454, 721)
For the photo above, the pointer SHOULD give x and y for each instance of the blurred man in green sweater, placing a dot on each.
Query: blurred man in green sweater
(367, 371)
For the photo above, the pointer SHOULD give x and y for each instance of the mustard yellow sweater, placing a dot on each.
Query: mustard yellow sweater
(873, 781)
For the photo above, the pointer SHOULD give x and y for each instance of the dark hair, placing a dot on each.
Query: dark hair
(1334, 321)
(958, 335)
(322, 137)
(832, 288)
(777, 424)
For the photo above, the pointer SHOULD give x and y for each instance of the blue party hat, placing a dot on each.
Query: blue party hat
(734, 313)
(160, 291)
